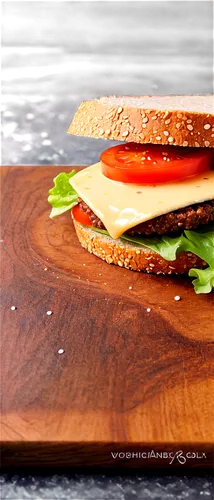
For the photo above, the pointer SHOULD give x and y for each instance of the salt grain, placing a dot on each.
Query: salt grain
(177, 297)
(49, 313)
(60, 351)
(13, 308)
(46, 142)
(130, 287)
(29, 116)
(148, 309)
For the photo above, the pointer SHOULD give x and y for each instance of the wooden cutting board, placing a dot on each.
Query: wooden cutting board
(130, 383)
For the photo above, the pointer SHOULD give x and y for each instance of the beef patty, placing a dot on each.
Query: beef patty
(178, 220)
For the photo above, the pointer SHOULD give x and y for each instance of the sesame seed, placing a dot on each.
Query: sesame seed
(108, 131)
(49, 313)
(130, 287)
(120, 109)
(196, 144)
(60, 351)
(45, 268)
(120, 263)
(143, 114)
(177, 298)
(178, 125)
(154, 117)
(166, 132)
(189, 127)
(167, 121)
(189, 121)
(137, 252)
(207, 143)
(124, 134)
(170, 139)
(158, 138)
(207, 126)
(179, 115)
(185, 143)
(145, 120)
(13, 308)
(148, 309)
(101, 131)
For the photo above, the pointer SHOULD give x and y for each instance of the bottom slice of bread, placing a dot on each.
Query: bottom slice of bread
(134, 257)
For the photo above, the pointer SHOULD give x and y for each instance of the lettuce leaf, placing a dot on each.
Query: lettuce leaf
(166, 246)
(204, 281)
(201, 243)
(62, 196)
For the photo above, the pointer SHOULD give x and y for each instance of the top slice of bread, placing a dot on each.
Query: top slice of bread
(179, 120)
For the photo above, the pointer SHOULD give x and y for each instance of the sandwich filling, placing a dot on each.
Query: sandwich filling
(123, 206)
(167, 217)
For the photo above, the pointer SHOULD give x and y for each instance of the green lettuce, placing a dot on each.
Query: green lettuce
(62, 196)
(166, 246)
(204, 281)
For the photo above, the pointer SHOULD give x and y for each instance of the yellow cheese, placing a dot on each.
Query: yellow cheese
(121, 206)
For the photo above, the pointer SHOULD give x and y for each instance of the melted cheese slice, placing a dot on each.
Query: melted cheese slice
(121, 206)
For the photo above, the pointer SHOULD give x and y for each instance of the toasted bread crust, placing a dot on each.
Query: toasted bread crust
(172, 120)
(132, 257)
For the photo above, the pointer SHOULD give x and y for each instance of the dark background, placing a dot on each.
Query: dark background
(57, 54)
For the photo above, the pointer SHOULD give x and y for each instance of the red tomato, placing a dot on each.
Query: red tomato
(81, 216)
(151, 163)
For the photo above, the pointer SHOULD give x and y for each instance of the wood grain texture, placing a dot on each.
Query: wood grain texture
(128, 380)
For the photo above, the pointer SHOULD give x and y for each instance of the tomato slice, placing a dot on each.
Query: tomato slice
(81, 216)
(151, 163)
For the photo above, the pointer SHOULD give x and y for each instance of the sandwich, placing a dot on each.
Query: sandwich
(147, 205)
